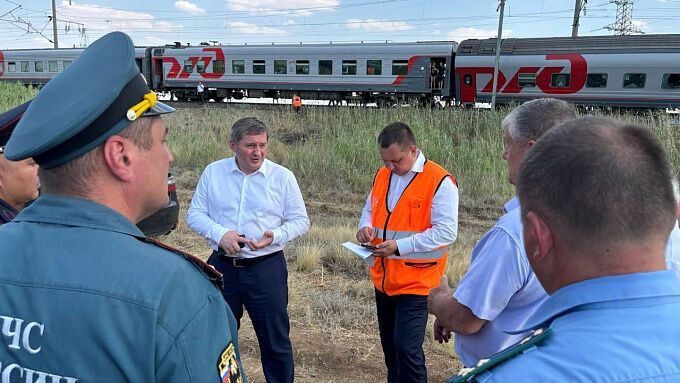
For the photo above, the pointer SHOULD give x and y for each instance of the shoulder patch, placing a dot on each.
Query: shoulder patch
(210, 272)
(228, 367)
(468, 374)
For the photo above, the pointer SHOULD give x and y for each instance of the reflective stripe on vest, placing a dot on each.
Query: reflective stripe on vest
(434, 254)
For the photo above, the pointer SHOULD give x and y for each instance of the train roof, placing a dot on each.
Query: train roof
(585, 44)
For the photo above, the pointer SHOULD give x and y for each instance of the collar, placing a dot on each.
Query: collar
(233, 167)
(419, 164)
(72, 211)
(512, 204)
(601, 290)
(7, 211)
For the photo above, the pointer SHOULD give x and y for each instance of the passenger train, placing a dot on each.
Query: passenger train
(624, 71)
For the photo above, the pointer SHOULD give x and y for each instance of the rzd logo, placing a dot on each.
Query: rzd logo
(177, 71)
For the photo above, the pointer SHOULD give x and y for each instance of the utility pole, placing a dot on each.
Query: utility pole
(54, 25)
(501, 8)
(578, 7)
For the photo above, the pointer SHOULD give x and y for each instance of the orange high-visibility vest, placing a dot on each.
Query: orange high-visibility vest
(297, 101)
(414, 273)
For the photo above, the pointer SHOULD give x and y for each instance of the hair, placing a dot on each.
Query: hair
(396, 133)
(598, 180)
(74, 177)
(532, 119)
(247, 126)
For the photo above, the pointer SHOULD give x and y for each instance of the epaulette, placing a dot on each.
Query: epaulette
(468, 374)
(214, 276)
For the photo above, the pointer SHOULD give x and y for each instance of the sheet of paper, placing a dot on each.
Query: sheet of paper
(360, 252)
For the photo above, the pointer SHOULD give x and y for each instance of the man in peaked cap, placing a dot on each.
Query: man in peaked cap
(85, 296)
(19, 182)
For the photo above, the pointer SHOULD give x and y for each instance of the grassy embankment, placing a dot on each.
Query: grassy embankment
(334, 155)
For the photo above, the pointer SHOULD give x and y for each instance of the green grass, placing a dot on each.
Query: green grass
(13, 94)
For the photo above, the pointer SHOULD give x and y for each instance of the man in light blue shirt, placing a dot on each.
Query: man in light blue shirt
(499, 290)
(597, 248)
(248, 208)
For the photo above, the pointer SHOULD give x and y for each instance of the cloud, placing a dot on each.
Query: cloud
(460, 34)
(100, 20)
(377, 25)
(254, 29)
(299, 7)
(188, 7)
(641, 26)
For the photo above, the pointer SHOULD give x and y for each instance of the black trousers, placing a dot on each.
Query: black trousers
(263, 290)
(402, 320)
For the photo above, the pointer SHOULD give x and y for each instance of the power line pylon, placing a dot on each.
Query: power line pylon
(624, 18)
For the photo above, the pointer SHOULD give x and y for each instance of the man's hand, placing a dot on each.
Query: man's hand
(385, 249)
(365, 234)
(441, 334)
(230, 241)
(263, 242)
(440, 299)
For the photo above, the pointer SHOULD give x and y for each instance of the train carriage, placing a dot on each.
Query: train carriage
(380, 72)
(623, 71)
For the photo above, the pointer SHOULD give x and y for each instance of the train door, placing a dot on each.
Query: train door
(157, 68)
(437, 73)
(467, 85)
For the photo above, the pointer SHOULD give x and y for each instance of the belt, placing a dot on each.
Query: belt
(242, 262)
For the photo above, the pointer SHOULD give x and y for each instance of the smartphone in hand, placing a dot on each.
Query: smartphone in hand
(368, 246)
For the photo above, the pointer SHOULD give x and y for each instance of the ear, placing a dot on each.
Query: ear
(116, 151)
(413, 150)
(232, 145)
(531, 143)
(538, 237)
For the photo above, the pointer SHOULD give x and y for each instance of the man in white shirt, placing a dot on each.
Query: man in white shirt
(200, 90)
(411, 217)
(248, 208)
(499, 291)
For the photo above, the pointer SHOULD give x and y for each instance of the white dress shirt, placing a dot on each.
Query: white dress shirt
(443, 214)
(268, 199)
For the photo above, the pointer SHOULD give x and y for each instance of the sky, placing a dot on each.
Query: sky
(27, 23)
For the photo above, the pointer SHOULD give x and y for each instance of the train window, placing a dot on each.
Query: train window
(301, 66)
(560, 80)
(349, 67)
(188, 66)
(325, 67)
(238, 66)
(526, 80)
(67, 63)
(200, 67)
(53, 66)
(467, 80)
(25, 66)
(671, 81)
(38, 66)
(218, 66)
(634, 80)
(259, 67)
(374, 67)
(280, 67)
(399, 67)
(596, 80)
(11, 66)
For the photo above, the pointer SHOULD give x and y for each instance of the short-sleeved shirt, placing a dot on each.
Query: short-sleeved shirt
(87, 298)
(673, 250)
(499, 287)
(621, 328)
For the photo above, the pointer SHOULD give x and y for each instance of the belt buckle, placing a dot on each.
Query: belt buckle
(234, 262)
